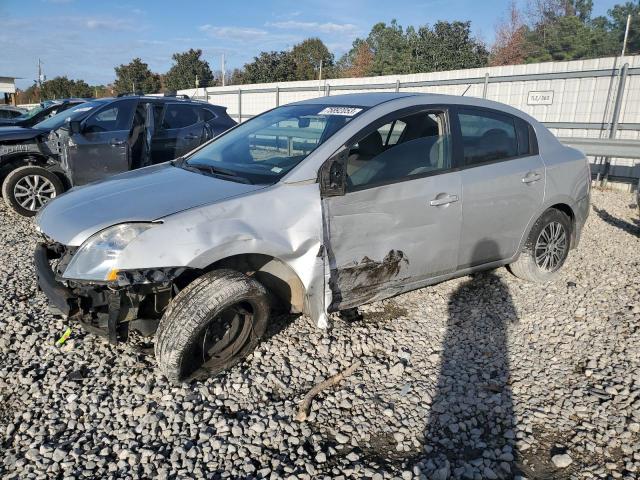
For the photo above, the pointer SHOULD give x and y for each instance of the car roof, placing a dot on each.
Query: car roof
(163, 99)
(370, 99)
(373, 99)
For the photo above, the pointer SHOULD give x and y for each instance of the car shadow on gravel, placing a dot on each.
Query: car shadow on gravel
(629, 227)
(472, 424)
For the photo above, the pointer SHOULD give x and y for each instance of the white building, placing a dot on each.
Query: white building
(8, 89)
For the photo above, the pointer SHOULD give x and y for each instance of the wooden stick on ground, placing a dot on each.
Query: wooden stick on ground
(305, 405)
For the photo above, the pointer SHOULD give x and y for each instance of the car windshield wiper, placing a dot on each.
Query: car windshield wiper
(216, 171)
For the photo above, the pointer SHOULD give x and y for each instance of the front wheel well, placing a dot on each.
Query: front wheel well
(275, 275)
(20, 160)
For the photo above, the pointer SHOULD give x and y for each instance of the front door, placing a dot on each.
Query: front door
(503, 180)
(398, 224)
(101, 149)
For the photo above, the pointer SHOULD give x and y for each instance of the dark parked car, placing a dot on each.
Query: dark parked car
(44, 110)
(9, 111)
(97, 139)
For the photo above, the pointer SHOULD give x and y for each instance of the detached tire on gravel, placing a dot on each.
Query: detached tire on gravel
(26, 189)
(546, 248)
(213, 323)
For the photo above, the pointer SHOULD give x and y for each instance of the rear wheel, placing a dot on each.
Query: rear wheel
(546, 248)
(26, 189)
(212, 324)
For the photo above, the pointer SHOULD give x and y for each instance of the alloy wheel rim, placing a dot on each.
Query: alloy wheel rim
(551, 247)
(33, 191)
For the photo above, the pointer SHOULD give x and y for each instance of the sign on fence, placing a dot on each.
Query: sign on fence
(540, 98)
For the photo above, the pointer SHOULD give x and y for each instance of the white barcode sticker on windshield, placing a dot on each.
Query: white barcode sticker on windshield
(276, 169)
(344, 111)
(83, 109)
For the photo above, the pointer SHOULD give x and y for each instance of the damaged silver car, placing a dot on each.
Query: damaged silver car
(318, 207)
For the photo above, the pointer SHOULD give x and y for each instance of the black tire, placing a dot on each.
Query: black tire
(203, 310)
(15, 182)
(538, 264)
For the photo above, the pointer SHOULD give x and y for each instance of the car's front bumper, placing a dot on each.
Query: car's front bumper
(109, 310)
(61, 298)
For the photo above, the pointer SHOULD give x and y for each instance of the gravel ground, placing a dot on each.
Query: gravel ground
(480, 377)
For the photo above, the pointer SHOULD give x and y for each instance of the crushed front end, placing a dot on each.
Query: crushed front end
(134, 300)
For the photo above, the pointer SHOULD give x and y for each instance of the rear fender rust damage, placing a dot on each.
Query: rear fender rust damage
(283, 222)
(367, 280)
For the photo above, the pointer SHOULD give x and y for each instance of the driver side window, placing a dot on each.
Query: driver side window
(406, 147)
(113, 118)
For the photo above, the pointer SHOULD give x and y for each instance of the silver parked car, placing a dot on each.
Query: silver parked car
(318, 206)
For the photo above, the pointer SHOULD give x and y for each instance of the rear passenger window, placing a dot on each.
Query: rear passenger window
(180, 116)
(208, 115)
(487, 136)
(526, 139)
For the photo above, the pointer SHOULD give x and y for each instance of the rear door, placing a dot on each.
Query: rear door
(181, 130)
(503, 179)
(102, 148)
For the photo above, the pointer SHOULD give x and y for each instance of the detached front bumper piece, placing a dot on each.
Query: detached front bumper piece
(61, 299)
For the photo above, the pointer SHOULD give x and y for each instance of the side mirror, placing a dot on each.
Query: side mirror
(74, 127)
(332, 177)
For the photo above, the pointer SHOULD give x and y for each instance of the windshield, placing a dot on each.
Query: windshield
(74, 113)
(263, 149)
(34, 111)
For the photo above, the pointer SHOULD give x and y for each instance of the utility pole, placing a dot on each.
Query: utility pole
(223, 71)
(40, 76)
(319, 77)
(626, 35)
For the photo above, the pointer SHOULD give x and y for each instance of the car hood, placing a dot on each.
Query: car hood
(139, 196)
(19, 133)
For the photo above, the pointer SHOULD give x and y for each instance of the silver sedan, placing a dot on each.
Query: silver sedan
(316, 207)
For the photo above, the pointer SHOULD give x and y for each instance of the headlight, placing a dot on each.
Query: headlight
(96, 258)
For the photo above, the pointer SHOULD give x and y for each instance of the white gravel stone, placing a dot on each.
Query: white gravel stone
(562, 460)
(487, 364)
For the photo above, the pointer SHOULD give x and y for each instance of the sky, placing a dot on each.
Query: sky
(85, 39)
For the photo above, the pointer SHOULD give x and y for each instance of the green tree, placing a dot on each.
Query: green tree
(270, 67)
(567, 38)
(187, 66)
(62, 87)
(307, 56)
(618, 22)
(136, 76)
(447, 46)
(390, 48)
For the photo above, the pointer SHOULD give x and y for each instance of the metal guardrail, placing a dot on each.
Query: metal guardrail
(605, 147)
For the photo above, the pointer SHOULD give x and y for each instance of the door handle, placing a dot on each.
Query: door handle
(446, 200)
(531, 177)
(117, 143)
(190, 137)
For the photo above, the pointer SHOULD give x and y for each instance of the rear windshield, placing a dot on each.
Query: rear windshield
(262, 150)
